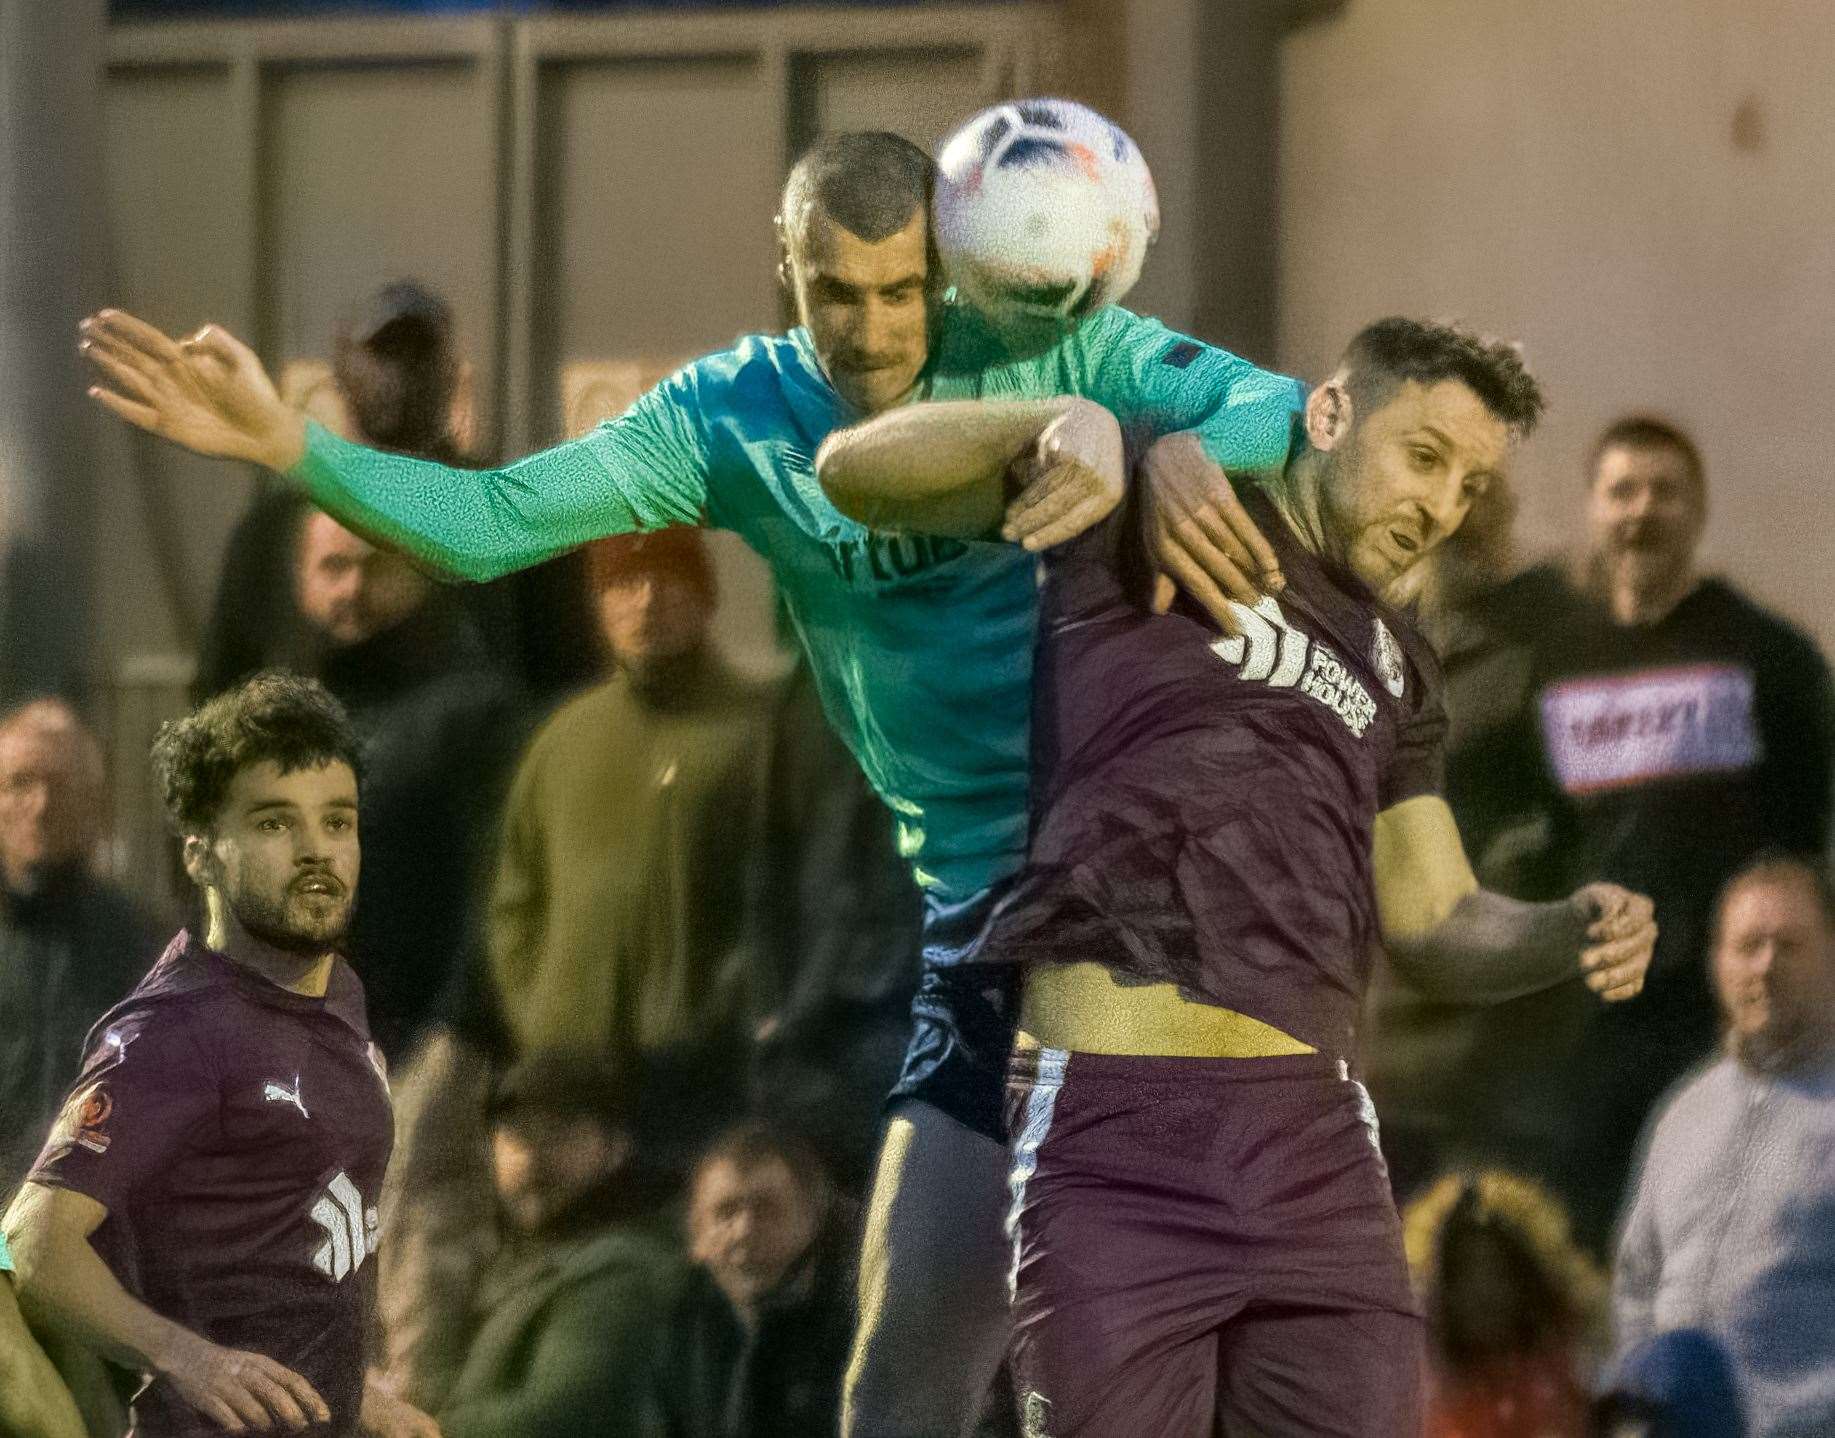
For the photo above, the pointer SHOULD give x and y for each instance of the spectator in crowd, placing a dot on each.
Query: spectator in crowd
(760, 1338)
(395, 378)
(1732, 1225)
(834, 938)
(573, 1316)
(1680, 1384)
(398, 382)
(1638, 723)
(1512, 1307)
(71, 943)
(33, 1400)
(617, 915)
(615, 928)
(441, 726)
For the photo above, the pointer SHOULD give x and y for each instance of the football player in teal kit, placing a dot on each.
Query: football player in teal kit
(921, 648)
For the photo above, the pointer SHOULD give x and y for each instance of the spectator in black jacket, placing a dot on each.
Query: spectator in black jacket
(1646, 725)
(71, 943)
(441, 727)
(833, 924)
(760, 1336)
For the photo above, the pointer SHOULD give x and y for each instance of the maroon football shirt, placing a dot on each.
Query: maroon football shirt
(237, 1133)
(1203, 804)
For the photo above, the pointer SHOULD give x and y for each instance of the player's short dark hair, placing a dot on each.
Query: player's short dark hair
(278, 717)
(1646, 431)
(870, 182)
(1779, 863)
(1392, 351)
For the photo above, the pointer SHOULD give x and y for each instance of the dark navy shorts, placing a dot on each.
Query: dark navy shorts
(963, 1019)
(1204, 1246)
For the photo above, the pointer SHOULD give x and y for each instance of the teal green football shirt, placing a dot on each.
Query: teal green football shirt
(6, 1257)
(921, 647)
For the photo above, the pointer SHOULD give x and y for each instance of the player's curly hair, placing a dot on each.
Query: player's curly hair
(294, 722)
(1559, 1291)
(1393, 350)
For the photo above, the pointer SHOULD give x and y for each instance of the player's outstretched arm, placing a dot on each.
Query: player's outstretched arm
(953, 468)
(644, 470)
(34, 1403)
(1459, 942)
(64, 1283)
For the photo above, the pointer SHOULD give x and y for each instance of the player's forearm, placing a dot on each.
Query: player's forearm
(469, 524)
(877, 472)
(1160, 382)
(1489, 948)
(65, 1285)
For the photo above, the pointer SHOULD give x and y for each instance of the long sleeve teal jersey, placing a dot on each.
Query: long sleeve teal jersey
(921, 646)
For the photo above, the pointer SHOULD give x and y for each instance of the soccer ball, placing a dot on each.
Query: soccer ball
(1044, 212)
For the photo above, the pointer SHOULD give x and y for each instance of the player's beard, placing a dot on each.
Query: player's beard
(287, 926)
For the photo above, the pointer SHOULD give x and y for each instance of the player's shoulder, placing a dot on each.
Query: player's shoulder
(181, 989)
(750, 360)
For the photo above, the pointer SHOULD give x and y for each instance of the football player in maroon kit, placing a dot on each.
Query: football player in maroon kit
(1225, 825)
(203, 1212)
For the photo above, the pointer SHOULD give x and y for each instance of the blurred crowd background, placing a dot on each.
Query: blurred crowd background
(635, 938)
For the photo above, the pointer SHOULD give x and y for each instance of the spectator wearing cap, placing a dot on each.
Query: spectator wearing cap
(396, 376)
(759, 1339)
(1514, 1309)
(71, 943)
(572, 1318)
(1731, 1229)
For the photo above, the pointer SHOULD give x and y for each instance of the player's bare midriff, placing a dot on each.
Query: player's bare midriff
(1082, 1008)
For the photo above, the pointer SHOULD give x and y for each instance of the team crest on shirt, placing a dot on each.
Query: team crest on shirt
(84, 1119)
(1386, 657)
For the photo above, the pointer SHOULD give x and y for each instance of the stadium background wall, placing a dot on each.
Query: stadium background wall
(1641, 191)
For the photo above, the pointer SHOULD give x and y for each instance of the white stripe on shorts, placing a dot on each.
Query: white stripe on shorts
(1034, 1123)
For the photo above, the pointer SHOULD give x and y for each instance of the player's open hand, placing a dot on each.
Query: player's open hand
(242, 1392)
(208, 393)
(1073, 478)
(1621, 936)
(386, 1416)
(1198, 535)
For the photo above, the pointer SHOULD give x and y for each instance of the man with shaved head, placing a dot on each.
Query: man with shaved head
(71, 943)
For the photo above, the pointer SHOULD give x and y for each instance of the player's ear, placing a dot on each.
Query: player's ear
(783, 255)
(200, 864)
(1329, 415)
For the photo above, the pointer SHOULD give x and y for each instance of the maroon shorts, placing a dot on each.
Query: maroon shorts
(1205, 1246)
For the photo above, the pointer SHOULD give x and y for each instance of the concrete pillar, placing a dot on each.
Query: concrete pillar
(51, 252)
